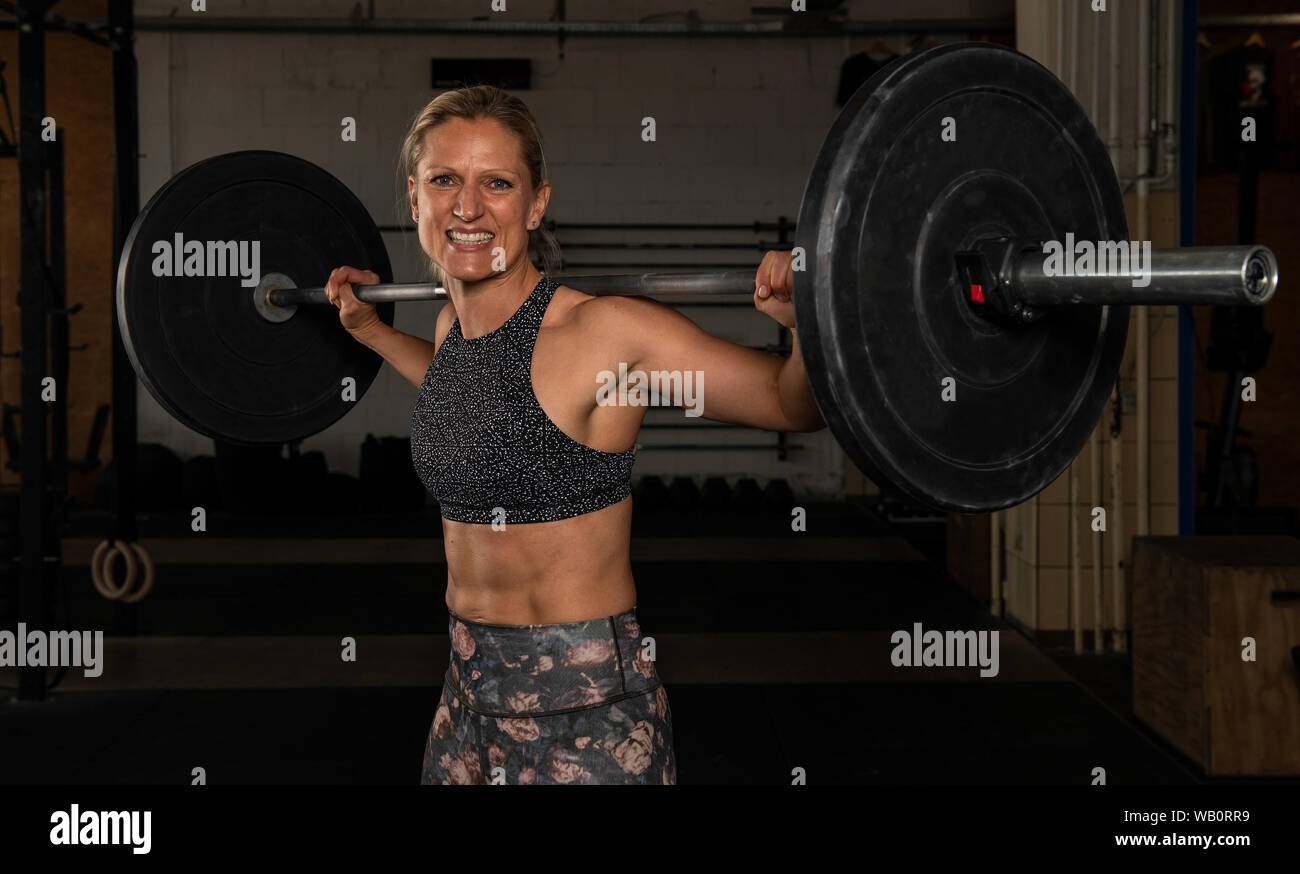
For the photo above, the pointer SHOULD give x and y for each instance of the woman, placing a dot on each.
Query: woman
(551, 680)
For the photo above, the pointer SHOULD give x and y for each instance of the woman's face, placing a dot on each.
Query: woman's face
(472, 180)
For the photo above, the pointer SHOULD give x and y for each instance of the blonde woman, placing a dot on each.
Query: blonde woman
(551, 679)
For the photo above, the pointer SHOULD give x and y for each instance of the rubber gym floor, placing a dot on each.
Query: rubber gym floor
(773, 647)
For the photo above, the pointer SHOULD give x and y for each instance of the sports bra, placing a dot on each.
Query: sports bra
(483, 446)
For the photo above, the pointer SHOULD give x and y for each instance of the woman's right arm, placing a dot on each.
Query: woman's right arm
(409, 355)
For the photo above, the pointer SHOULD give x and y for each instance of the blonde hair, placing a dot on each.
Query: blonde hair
(473, 103)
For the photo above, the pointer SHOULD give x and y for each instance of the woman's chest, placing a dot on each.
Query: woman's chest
(563, 378)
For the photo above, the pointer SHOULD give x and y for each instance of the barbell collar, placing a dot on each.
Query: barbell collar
(1196, 275)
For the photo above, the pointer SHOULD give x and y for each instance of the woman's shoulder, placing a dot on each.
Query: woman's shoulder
(442, 324)
(446, 315)
(611, 324)
(603, 312)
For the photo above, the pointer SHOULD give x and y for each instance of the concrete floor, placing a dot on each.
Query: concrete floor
(774, 650)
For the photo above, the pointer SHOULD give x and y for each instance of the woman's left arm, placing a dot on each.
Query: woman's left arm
(733, 383)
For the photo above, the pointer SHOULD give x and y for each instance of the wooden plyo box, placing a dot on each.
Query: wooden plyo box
(1192, 602)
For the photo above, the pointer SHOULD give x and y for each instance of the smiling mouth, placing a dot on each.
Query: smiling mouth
(470, 239)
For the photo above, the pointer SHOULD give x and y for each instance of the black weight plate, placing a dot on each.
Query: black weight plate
(198, 343)
(881, 315)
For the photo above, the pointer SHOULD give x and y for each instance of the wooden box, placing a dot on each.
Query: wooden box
(1192, 602)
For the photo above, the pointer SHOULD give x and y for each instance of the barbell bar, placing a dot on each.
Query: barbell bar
(1207, 275)
(947, 349)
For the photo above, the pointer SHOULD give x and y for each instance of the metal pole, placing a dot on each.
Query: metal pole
(556, 27)
(1230, 275)
(126, 176)
(1227, 275)
(60, 357)
(570, 28)
(33, 609)
(1186, 237)
(724, 282)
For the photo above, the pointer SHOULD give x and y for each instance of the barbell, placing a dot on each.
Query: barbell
(962, 283)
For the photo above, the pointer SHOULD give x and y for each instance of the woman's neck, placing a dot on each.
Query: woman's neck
(484, 306)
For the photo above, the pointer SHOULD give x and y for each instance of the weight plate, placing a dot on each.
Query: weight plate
(882, 317)
(198, 342)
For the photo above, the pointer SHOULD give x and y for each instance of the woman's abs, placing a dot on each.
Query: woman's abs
(541, 573)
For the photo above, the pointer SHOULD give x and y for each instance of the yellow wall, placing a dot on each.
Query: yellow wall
(79, 96)
(1037, 589)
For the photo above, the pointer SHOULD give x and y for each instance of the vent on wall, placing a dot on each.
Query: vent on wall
(509, 73)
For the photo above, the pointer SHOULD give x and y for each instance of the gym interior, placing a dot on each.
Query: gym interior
(273, 613)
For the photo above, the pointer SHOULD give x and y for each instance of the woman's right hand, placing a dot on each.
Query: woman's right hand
(356, 316)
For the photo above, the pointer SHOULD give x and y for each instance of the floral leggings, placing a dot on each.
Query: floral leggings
(574, 702)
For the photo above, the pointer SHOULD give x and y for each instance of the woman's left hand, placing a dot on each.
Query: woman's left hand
(773, 286)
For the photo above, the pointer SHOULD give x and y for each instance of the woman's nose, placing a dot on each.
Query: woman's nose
(467, 205)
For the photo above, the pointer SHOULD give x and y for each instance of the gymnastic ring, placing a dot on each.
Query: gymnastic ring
(101, 569)
(96, 576)
(147, 585)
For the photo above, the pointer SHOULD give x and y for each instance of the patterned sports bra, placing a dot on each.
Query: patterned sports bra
(484, 447)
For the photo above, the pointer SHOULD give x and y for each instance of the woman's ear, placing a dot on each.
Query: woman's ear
(540, 199)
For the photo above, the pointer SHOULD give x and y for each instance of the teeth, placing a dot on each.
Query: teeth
(471, 238)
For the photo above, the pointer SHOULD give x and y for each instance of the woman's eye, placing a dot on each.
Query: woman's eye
(498, 184)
